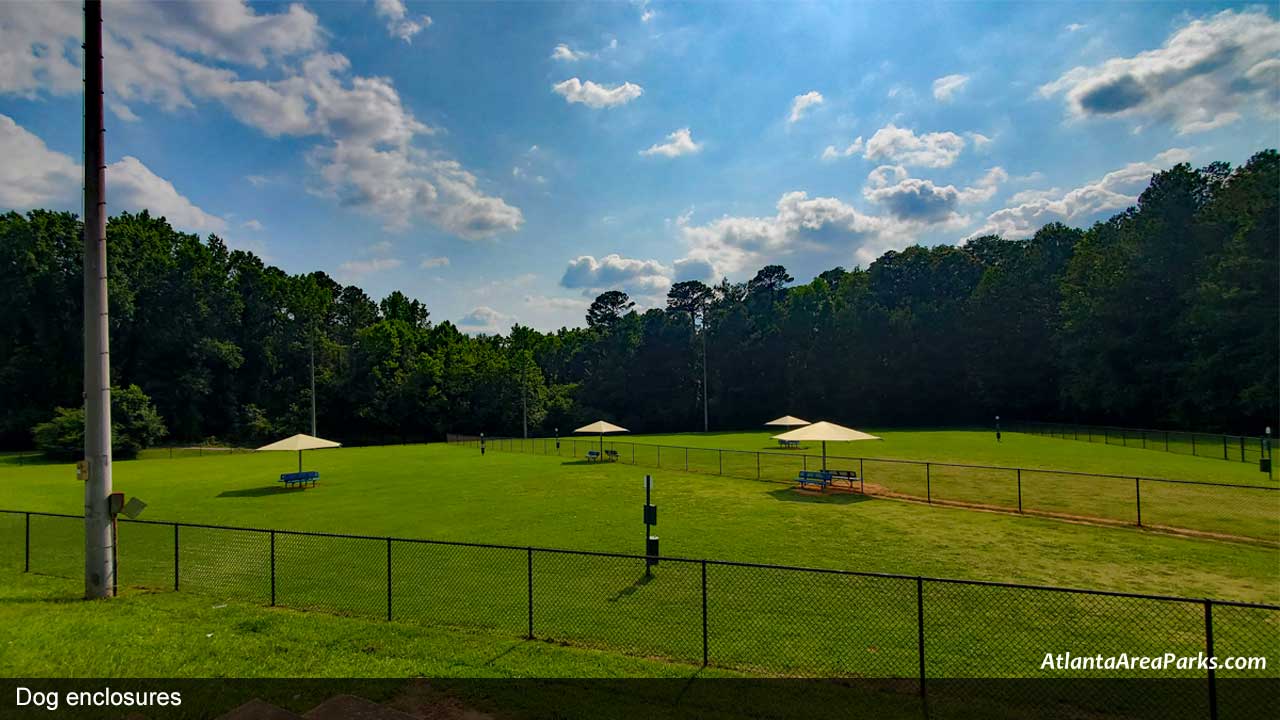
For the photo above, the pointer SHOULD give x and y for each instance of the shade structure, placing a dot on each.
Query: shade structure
(787, 421)
(823, 432)
(601, 427)
(299, 443)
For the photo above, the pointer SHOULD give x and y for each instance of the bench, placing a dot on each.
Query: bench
(821, 478)
(593, 455)
(848, 476)
(789, 444)
(611, 455)
(301, 479)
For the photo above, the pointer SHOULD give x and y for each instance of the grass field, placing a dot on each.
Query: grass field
(452, 493)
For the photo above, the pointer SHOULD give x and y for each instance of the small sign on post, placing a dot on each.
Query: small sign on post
(650, 519)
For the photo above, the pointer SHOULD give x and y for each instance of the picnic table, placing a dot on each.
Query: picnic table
(821, 478)
(789, 444)
(300, 479)
(611, 455)
(593, 455)
(848, 476)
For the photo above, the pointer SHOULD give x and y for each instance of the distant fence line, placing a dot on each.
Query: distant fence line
(1241, 448)
(780, 620)
(1217, 509)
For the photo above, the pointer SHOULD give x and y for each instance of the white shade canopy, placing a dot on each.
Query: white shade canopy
(301, 442)
(600, 426)
(788, 421)
(825, 431)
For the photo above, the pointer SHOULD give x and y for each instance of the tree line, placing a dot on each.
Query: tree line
(1164, 315)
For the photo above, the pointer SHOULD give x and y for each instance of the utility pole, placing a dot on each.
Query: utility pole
(313, 384)
(99, 560)
(706, 425)
(524, 403)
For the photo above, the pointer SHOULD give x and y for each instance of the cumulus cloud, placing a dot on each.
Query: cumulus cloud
(597, 96)
(433, 262)
(801, 104)
(132, 186)
(1112, 192)
(694, 269)
(730, 244)
(399, 24)
(1073, 27)
(565, 53)
(834, 153)
(923, 201)
(368, 156)
(641, 277)
(945, 87)
(32, 175)
(485, 320)
(678, 143)
(253, 225)
(903, 146)
(1202, 78)
(980, 142)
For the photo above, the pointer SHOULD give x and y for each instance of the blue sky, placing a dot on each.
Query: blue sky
(506, 162)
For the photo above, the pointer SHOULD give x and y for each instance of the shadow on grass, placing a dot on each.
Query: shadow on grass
(791, 494)
(258, 492)
(630, 590)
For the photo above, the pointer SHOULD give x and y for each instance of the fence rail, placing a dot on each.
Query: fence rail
(778, 620)
(1223, 510)
(1240, 448)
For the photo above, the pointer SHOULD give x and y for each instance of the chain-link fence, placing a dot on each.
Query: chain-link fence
(1240, 448)
(774, 620)
(1204, 508)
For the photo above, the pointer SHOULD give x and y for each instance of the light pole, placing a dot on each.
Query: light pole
(706, 425)
(99, 544)
(313, 385)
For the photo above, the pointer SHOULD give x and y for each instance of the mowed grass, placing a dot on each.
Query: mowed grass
(980, 448)
(773, 621)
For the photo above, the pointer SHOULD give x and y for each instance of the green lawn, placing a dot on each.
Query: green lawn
(848, 624)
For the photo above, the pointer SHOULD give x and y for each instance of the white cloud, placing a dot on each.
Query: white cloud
(253, 225)
(801, 104)
(833, 153)
(40, 48)
(367, 157)
(565, 53)
(694, 269)
(486, 320)
(31, 174)
(399, 24)
(1203, 76)
(678, 143)
(257, 180)
(132, 186)
(945, 87)
(1174, 156)
(596, 96)
(433, 262)
(923, 201)
(642, 277)
(357, 269)
(1073, 27)
(980, 142)
(901, 145)
(1114, 191)
(731, 244)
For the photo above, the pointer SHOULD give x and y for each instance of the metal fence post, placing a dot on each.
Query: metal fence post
(722, 462)
(704, 613)
(175, 557)
(1224, 447)
(686, 459)
(530, 587)
(862, 478)
(1208, 652)
(1241, 448)
(273, 568)
(924, 698)
(26, 547)
(928, 483)
(388, 579)
(1137, 493)
(1166, 441)
(1019, 489)
(757, 466)
(1193, 443)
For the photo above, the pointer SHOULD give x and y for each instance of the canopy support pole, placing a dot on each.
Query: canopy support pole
(299, 461)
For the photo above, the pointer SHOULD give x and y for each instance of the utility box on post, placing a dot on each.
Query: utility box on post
(651, 549)
(1265, 465)
(650, 514)
(115, 503)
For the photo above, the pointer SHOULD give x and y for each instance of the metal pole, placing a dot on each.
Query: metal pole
(928, 483)
(313, 384)
(1208, 652)
(924, 698)
(757, 466)
(530, 586)
(722, 462)
(99, 567)
(704, 613)
(273, 568)
(175, 557)
(706, 391)
(1137, 491)
(26, 550)
(1019, 489)
(388, 579)
(524, 403)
